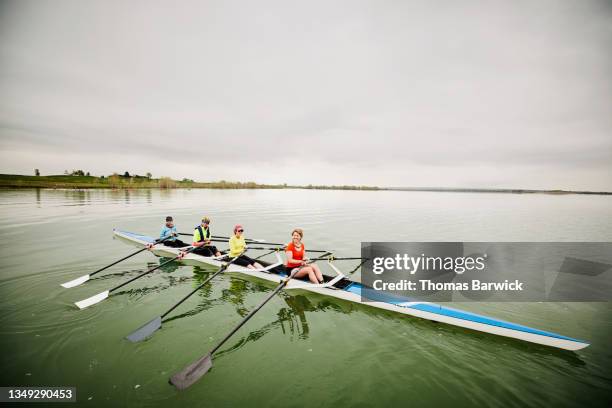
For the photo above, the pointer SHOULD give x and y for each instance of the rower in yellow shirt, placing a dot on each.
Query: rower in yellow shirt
(237, 246)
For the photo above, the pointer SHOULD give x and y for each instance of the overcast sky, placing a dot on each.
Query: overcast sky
(388, 93)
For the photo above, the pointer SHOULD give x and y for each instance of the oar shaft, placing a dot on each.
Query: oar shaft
(116, 262)
(128, 256)
(251, 313)
(262, 304)
(247, 240)
(351, 258)
(167, 312)
(147, 272)
(282, 248)
(218, 239)
(266, 249)
(223, 268)
(224, 239)
(358, 266)
(262, 255)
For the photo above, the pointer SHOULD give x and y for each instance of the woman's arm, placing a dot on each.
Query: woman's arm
(196, 238)
(290, 259)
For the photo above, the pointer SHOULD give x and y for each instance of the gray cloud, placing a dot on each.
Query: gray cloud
(494, 94)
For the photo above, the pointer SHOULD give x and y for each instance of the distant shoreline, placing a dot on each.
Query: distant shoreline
(142, 182)
(497, 190)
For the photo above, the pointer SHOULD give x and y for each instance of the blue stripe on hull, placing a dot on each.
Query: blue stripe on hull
(454, 313)
(138, 236)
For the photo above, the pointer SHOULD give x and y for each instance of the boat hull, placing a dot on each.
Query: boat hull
(353, 293)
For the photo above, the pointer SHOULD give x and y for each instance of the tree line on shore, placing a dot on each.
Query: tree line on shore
(83, 179)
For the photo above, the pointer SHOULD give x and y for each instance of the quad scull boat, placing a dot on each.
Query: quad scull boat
(342, 287)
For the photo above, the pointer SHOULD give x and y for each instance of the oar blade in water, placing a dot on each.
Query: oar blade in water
(82, 304)
(76, 282)
(192, 373)
(145, 330)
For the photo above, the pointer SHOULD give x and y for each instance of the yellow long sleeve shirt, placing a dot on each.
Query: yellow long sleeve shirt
(236, 245)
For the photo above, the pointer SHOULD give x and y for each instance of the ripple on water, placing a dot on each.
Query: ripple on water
(40, 305)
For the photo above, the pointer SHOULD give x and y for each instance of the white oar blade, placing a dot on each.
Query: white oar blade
(76, 282)
(192, 373)
(92, 300)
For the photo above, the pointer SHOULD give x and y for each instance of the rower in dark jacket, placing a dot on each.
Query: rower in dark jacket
(202, 239)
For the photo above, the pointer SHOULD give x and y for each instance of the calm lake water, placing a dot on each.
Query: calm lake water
(301, 349)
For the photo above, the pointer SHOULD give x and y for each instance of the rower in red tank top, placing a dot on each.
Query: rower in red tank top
(296, 257)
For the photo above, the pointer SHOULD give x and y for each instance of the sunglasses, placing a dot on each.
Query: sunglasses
(240, 230)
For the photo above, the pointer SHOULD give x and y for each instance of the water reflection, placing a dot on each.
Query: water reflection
(119, 274)
(170, 267)
(77, 197)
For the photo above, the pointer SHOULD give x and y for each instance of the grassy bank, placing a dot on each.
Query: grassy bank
(132, 182)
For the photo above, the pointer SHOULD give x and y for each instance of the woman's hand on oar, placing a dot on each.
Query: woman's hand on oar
(103, 295)
(147, 329)
(197, 369)
(85, 278)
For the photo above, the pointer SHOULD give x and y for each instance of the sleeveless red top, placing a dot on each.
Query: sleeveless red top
(296, 254)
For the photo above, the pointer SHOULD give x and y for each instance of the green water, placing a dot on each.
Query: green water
(301, 349)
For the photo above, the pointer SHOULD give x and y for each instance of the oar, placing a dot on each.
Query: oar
(85, 278)
(151, 327)
(282, 248)
(103, 295)
(262, 255)
(349, 258)
(363, 260)
(267, 248)
(197, 369)
(357, 267)
(247, 240)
